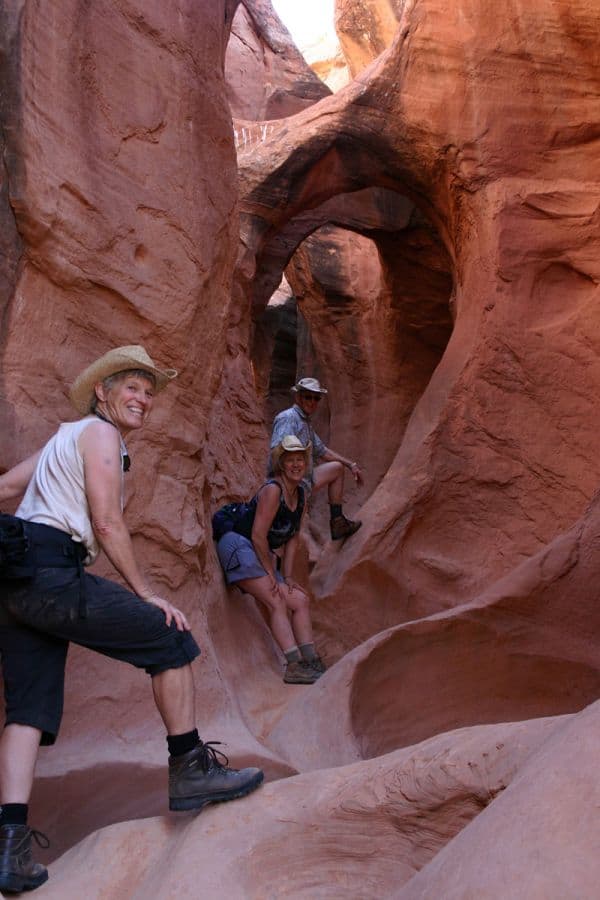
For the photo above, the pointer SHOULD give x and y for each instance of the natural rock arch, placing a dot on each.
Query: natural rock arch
(502, 206)
(373, 285)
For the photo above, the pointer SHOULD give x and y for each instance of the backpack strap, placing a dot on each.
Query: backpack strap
(281, 497)
(270, 481)
(300, 499)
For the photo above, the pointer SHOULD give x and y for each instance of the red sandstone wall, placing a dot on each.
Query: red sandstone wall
(122, 229)
(487, 472)
(460, 605)
(266, 75)
(365, 29)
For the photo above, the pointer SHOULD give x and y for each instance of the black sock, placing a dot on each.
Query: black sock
(14, 814)
(182, 743)
(335, 510)
(292, 655)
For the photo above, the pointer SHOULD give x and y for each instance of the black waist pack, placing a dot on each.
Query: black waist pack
(16, 552)
(27, 546)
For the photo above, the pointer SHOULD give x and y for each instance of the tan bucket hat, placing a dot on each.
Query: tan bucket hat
(309, 384)
(121, 359)
(290, 444)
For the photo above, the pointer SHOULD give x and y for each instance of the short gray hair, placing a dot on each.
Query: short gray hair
(110, 382)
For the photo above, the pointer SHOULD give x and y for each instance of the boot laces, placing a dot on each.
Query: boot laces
(208, 757)
(40, 838)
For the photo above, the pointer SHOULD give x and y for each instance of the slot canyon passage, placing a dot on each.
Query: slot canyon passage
(426, 241)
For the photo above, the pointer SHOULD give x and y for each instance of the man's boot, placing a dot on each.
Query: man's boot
(198, 777)
(341, 527)
(18, 871)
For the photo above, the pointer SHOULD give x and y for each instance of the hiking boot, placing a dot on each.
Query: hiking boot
(18, 871)
(199, 777)
(300, 672)
(318, 665)
(341, 527)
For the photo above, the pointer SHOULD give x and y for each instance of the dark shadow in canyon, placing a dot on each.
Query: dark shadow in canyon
(365, 307)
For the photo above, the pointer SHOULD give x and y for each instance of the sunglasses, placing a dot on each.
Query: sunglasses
(316, 398)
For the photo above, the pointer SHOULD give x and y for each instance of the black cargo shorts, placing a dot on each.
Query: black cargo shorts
(40, 616)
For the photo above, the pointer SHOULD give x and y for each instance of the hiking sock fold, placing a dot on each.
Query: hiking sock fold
(14, 814)
(179, 744)
(292, 655)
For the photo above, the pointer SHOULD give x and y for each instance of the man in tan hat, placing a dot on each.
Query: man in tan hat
(71, 509)
(327, 466)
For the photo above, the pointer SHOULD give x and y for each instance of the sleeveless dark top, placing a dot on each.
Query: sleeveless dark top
(285, 524)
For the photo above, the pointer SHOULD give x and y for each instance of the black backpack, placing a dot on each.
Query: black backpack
(239, 517)
(226, 518)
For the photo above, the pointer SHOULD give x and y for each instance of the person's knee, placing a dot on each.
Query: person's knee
(272, 600)
(175, 671)
(277, 605)
(299, 601)
(336, 471)
(182, 668)
(326, 474)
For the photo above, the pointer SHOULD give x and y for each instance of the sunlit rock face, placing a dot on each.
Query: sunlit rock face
(327, 60)
(366, 28)
(266, 75)
(438, 223)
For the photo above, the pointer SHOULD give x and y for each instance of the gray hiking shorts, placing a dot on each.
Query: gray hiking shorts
(239, 560)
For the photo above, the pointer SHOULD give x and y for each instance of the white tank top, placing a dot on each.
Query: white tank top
(56, 494)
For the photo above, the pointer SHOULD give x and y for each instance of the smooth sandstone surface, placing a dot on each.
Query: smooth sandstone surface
(438, 223)
(532, 846)
(355, 831)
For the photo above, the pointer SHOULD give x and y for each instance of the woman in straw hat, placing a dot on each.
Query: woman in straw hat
(71, 509)
(272, 519)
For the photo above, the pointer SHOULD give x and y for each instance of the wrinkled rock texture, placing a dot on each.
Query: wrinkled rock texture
(366, 29)
(437, 220)
(266, 75)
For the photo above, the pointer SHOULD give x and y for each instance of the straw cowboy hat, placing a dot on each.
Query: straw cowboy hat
(309, 384)
(290, 444)
(121, 359)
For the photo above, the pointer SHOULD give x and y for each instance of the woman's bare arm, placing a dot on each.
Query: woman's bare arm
(14, 482)
(101, 450)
